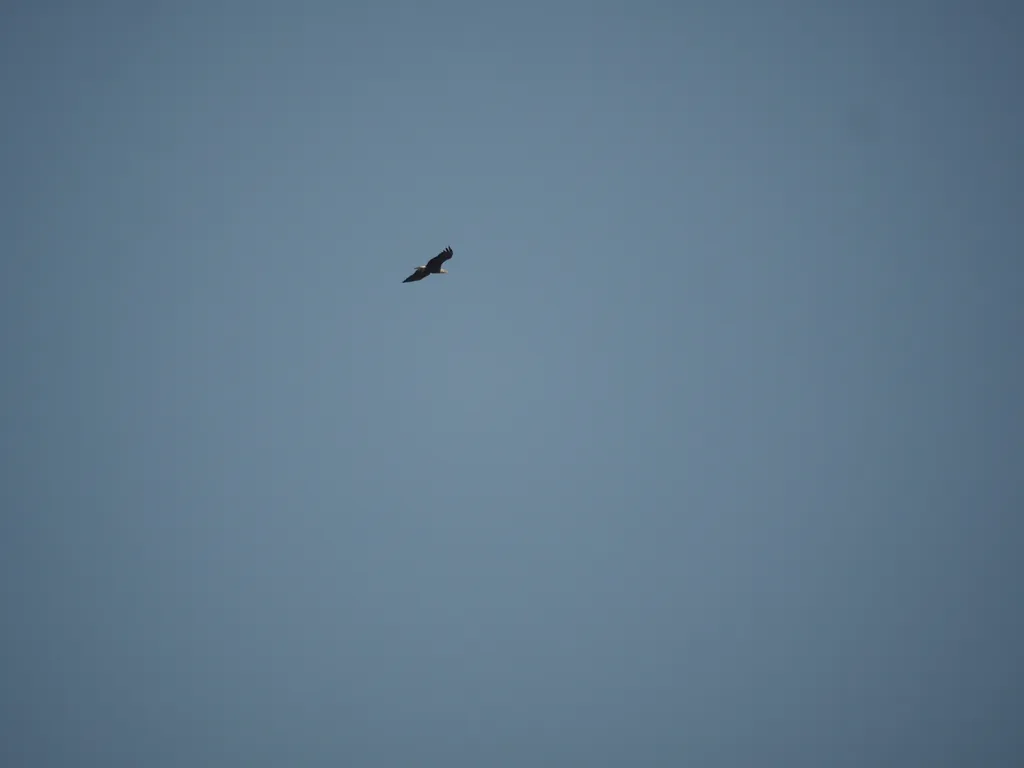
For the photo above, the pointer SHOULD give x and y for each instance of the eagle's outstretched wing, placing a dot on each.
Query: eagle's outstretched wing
(435, 263)
(419, 274)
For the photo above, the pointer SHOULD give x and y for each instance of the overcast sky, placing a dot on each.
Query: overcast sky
(708, 451)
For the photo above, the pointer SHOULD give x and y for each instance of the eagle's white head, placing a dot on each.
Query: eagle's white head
(444, 271)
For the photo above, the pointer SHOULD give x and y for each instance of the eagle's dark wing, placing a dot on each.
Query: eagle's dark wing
(435, 263)
(419, 274)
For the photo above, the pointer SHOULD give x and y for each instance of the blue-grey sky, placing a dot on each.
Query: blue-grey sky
(708, 451)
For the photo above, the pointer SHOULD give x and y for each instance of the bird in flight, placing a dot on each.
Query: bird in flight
(432, 267)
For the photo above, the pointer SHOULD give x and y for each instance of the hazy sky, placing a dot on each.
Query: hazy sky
(708, 451)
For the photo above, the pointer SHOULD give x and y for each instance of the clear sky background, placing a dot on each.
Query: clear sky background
(708, 451)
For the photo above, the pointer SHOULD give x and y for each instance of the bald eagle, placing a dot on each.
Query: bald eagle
(432, 267)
